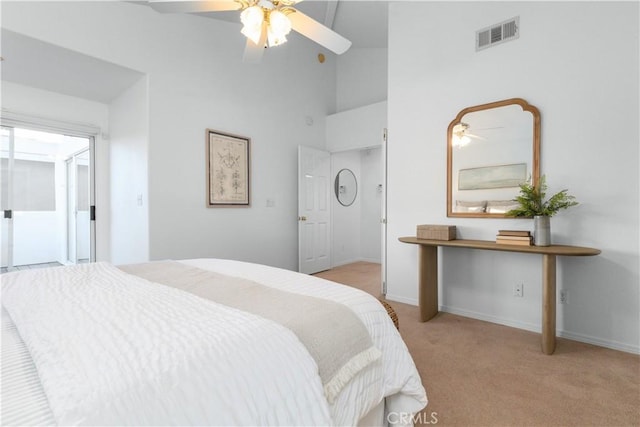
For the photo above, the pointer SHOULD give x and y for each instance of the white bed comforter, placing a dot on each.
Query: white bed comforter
(395, 377)
(161, 355)
(173, 358)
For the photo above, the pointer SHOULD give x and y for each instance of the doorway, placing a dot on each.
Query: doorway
(359, 227)
(47, 195)
(334, 232)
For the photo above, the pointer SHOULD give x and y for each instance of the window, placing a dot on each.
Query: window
(33, 185)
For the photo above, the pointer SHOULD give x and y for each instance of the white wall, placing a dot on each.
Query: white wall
(49, 105)
(370, 228)
(361, 96)
(129, 141)
(357, 128)
(196, 80)
(346, 220)
(361, 78)
(586, 88)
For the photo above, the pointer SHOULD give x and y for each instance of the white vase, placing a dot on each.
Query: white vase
(541, 230)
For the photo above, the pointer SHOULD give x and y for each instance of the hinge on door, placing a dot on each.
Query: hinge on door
(92, 213)
(383, 220)
(384, 134)
(384, 287)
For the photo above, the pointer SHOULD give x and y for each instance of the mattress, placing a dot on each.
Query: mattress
(394, 378)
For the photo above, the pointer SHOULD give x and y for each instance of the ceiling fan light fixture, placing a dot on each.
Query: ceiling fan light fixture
(279, 23)
(252, 16)
(275, 40)
(279, 27)
(253, 33)
(460, 140)
(252, 19)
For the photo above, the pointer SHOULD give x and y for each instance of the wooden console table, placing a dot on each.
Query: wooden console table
(428, 276)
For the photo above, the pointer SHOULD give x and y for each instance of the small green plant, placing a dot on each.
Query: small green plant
(532, 200)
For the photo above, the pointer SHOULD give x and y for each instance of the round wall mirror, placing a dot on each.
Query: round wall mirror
(346, 187)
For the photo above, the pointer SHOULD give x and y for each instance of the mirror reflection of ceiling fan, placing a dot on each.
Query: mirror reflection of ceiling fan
(265, 23)
(462, 136)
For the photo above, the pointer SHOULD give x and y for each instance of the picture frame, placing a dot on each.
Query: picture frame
(228, 169)
(489, 177)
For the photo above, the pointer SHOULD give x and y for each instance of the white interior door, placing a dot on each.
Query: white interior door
(314, 214)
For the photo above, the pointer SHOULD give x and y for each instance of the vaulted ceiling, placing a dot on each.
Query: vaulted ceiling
(362, 22)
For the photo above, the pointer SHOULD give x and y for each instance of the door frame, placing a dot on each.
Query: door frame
(13, 120)
(383, 219)
(383, 216)
(72, 217)
(7, 218)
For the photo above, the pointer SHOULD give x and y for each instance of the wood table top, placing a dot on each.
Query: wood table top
(493, 246)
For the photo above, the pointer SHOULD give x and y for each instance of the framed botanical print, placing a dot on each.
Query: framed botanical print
(228, 165)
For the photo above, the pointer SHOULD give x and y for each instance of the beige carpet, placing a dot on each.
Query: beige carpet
(483, 374)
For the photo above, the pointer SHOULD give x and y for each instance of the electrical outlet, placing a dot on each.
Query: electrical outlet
(564, 296)
(518, 290)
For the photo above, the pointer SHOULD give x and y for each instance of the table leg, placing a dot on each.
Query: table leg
(428, 286)
(548, 303)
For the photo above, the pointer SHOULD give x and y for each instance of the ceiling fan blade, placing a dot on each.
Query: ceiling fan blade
(190, 6)
(470, 135)
(253, 51)
(317, 32)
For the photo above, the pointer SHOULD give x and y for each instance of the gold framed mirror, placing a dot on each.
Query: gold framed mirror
(491, 149)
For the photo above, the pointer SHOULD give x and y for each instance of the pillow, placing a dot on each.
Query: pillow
(501, 206)
(468, 206)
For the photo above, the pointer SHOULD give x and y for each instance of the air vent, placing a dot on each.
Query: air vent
(499, 33)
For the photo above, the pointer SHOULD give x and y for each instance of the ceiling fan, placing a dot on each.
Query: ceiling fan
(265, 22)
(461, 136)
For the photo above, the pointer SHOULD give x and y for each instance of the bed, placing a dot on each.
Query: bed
(198, 342)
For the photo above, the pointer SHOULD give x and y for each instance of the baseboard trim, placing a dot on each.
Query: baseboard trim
(493, 319)
(536, 328)
(614, 345)
(397, 298)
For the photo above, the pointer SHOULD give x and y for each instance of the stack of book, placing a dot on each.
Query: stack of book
(514, 237)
